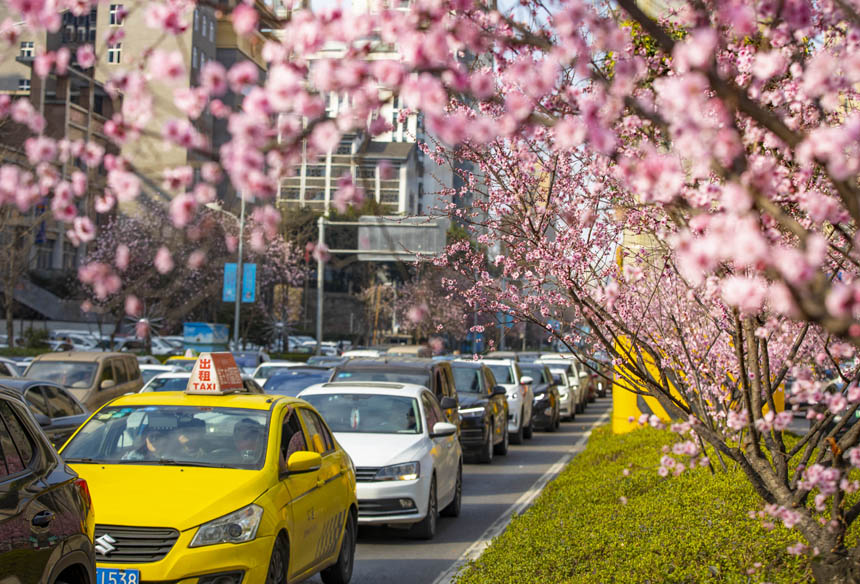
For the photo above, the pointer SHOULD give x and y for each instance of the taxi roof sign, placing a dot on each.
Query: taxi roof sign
(214, 374)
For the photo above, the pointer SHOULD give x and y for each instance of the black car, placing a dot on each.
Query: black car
(436, 376)
(483, 410)
(545, 409)
(46, 515)
(295, 380)
(55, 409)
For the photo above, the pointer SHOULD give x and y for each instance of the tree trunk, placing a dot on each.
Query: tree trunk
(836, 567)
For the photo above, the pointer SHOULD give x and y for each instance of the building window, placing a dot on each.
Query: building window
(212, 31)
(315, 171)
(366, 171)
(116, 14)
(27, 49)
(344, 148)
(45, 255)
(194, 57)
(202, 59)
(203, 28)
(196, 18)
(70, 256)
(23, 85)
(115, 53)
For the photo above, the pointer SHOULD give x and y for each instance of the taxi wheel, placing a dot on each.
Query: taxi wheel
(277, 573)
(341, 571)
(426, 528)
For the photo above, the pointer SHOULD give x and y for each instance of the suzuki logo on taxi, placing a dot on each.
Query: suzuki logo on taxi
(104, 544)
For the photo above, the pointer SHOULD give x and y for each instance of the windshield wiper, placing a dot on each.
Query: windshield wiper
(172, 462)
(83, 460)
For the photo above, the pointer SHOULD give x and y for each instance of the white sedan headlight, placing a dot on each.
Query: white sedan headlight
(236, 527)
(408, 471)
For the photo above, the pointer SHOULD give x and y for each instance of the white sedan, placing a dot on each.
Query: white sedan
(520, 398)
(408, 462)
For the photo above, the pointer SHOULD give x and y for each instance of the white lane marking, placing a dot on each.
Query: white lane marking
(519, 506)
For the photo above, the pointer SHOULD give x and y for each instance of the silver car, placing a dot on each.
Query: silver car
(520, 398)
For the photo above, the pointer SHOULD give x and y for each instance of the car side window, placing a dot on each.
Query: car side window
(16, 445)
(319, 442)
(439, 390)
(432, 411)
(490, 379)
(120, 371)
(133, 369)
(36, 401)
(60, 403)
(4, 370)
(107, 372)
(292, 437)
(324, 431)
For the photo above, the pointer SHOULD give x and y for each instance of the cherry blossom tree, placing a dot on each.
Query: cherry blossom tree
(713, 144)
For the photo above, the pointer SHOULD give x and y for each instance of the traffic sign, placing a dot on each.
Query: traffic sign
(249, 283)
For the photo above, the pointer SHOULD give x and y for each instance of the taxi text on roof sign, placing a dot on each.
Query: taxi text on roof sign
(214, 374)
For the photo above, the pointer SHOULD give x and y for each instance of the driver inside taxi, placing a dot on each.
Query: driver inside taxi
(154, 444)
(248, 435)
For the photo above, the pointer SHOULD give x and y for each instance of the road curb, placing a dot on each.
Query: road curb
(519, 506)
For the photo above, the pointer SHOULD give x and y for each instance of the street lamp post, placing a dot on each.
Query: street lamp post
(241, 221)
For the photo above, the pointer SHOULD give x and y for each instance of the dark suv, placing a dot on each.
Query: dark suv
(46, 515)
(434, 375)
(546, 409)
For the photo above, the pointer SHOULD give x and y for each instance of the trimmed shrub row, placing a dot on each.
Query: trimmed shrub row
(692, 528)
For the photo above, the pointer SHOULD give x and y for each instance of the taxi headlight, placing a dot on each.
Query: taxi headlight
(237, 527)
(399, 472)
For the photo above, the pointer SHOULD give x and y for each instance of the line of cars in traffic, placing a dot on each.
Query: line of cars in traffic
(166, 468)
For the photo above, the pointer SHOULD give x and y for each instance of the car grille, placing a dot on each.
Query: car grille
(385, 507)
(472, 434)
(136, 544)
(365, 474)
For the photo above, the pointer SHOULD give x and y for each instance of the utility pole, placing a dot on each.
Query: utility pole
(320, 283)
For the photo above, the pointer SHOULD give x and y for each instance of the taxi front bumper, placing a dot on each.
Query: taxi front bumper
(392, 502)
(184, 565)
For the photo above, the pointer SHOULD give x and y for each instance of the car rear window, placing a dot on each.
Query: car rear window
(391, 376)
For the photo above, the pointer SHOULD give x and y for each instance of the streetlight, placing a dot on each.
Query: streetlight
(241, 219)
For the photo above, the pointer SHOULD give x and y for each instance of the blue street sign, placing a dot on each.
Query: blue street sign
(229, 292)
(249, 283)
(505, 319)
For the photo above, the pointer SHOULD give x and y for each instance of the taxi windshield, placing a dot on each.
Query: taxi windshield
(73, 374)
(172, 435)
(368, 414)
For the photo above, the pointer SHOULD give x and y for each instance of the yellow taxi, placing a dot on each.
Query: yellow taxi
(186, 363)
(212, 486)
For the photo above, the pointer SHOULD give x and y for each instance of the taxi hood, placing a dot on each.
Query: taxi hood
(383, 449)
(168, 496)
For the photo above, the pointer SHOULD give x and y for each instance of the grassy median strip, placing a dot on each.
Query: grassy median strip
(692, 528)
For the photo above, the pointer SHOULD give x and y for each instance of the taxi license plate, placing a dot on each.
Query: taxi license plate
(117, 576)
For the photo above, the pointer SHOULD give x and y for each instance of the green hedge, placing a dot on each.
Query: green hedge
(692, 528)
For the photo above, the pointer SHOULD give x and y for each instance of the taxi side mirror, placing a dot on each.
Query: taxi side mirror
(303, 461)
